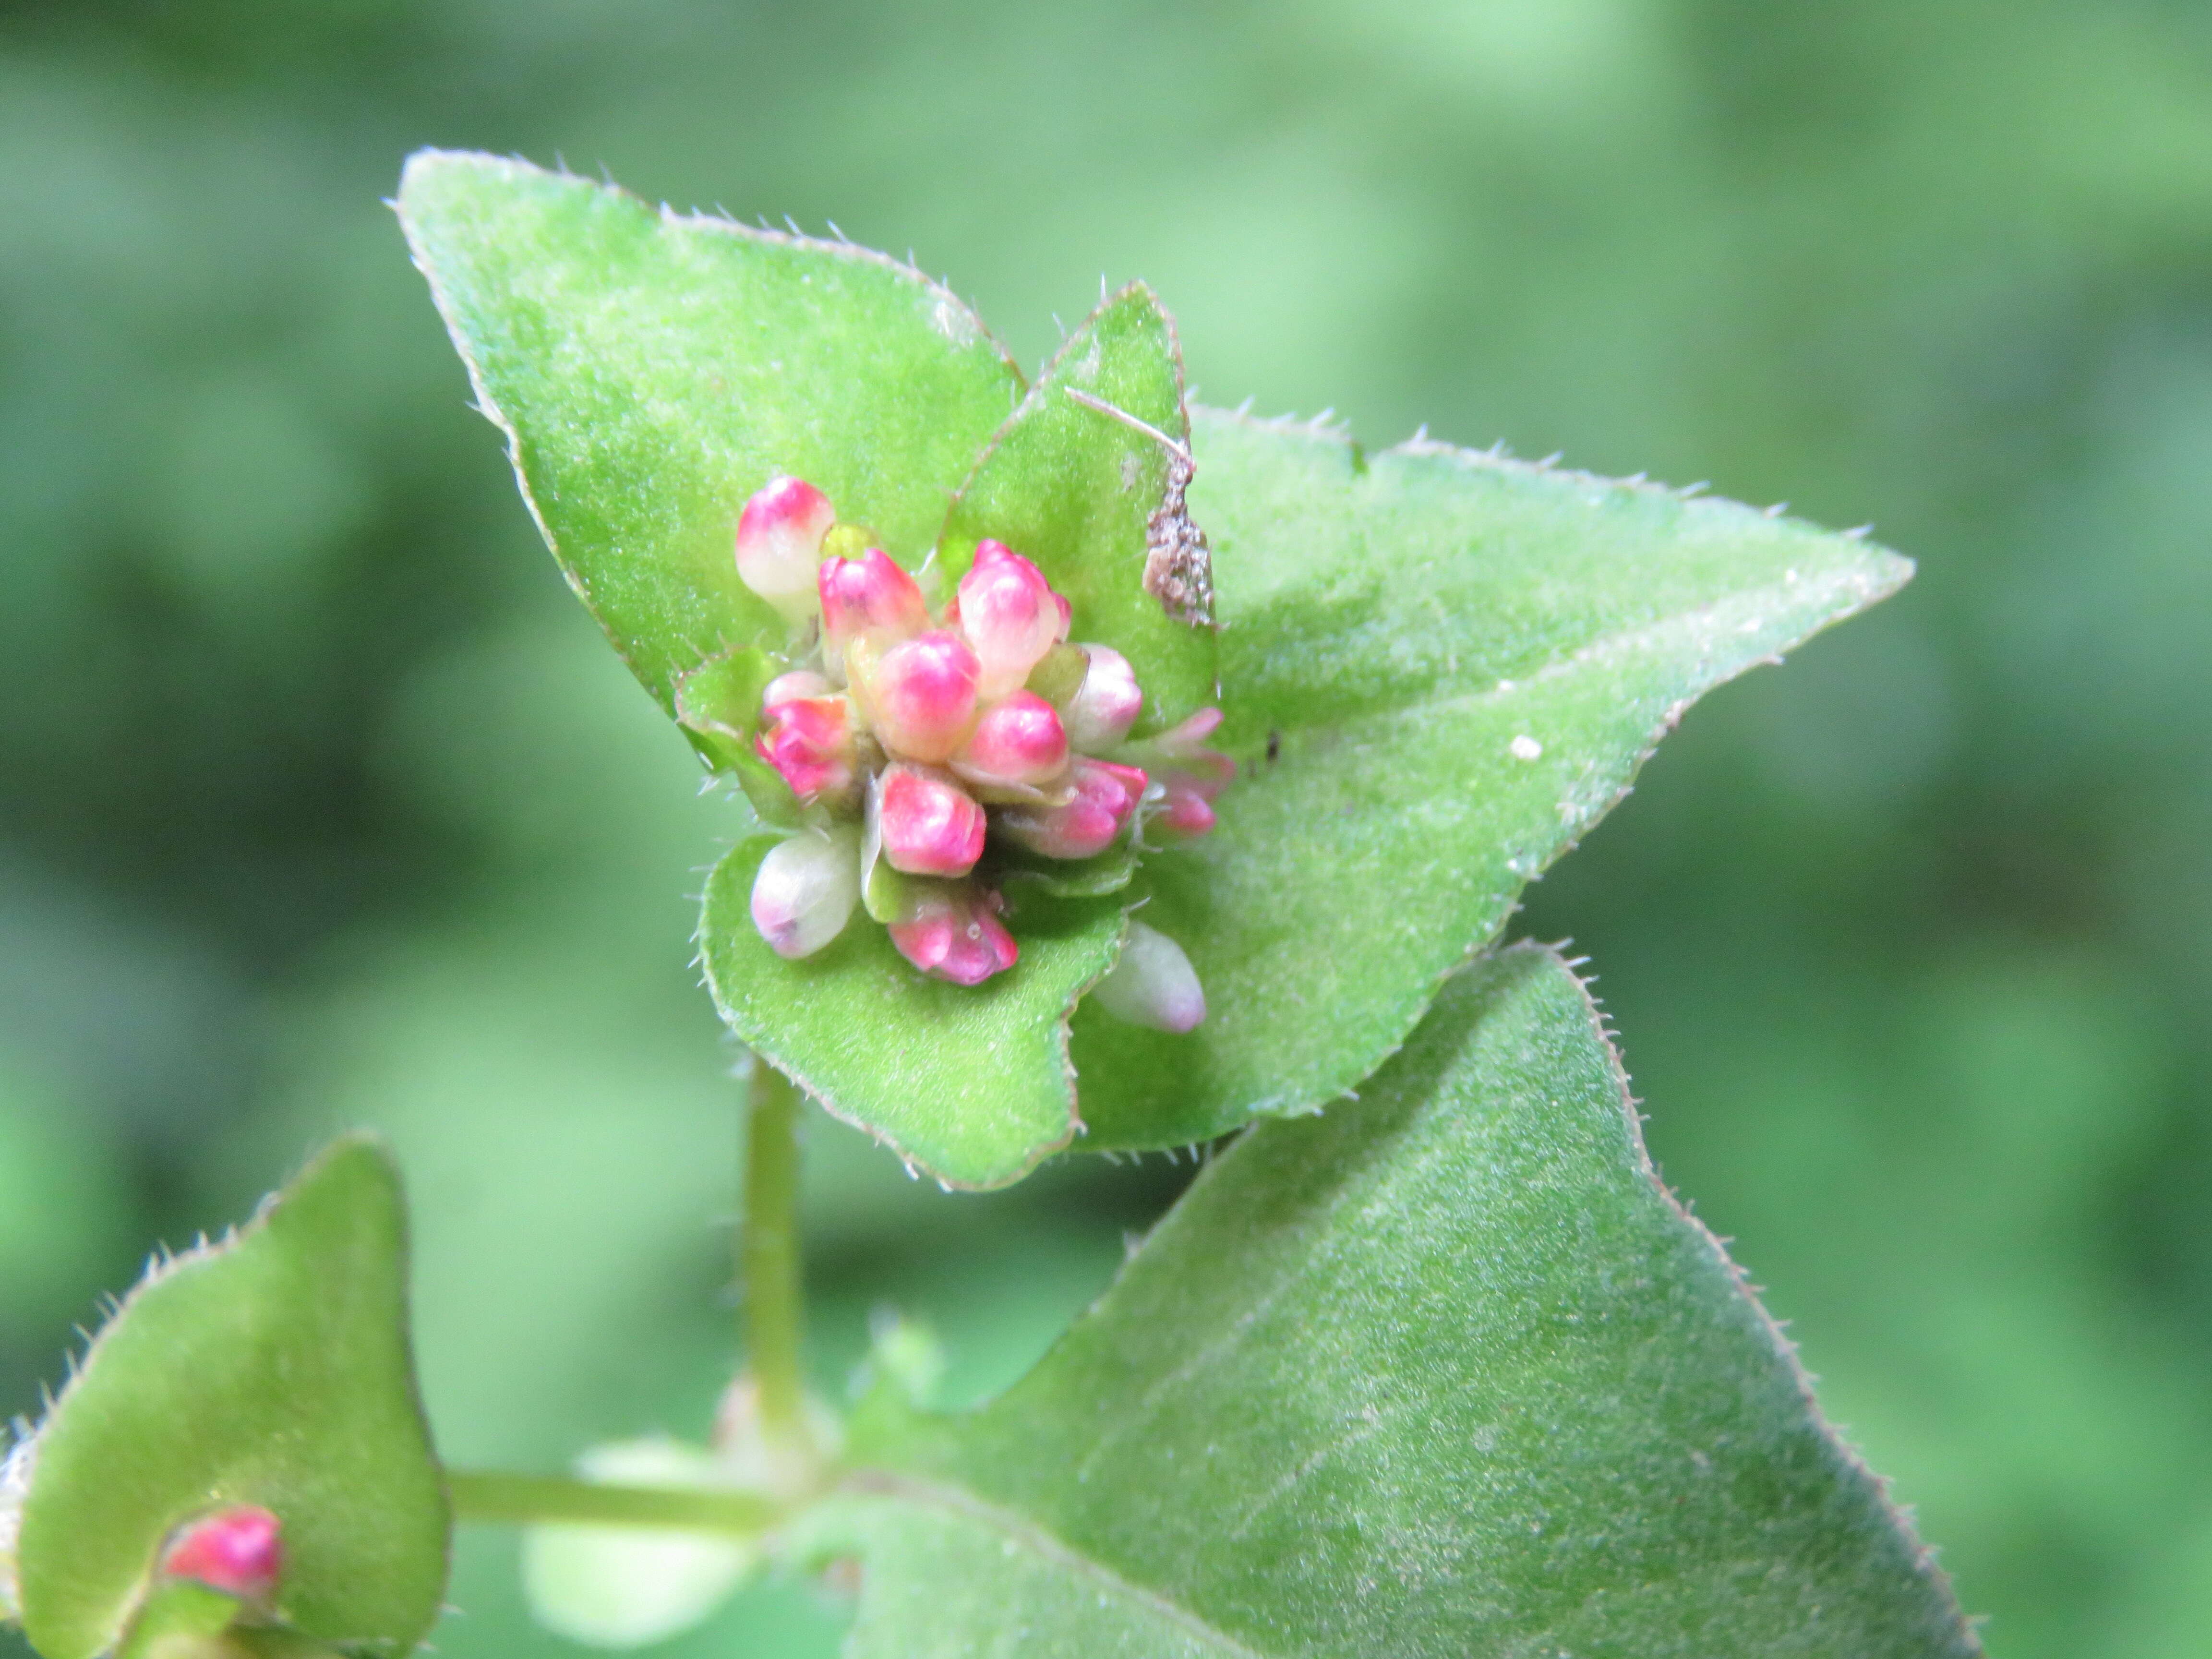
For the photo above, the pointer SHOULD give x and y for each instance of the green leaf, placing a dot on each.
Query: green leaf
(1445, 1370)
(970, 1082)
(1091, 498)
(652, 371)
(1458, 662)
(180, 1620)
(718, 704)
(273, 1369)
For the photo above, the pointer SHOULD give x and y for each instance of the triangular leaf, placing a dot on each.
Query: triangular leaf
(272, 1370)
(1096, 501)
(1442, 667)
(1444, 1371)
(652, 371)
(970, 1082)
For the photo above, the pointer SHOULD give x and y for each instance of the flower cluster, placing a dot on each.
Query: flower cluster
(920, 743)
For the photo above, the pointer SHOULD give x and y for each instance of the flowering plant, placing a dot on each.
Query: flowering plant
(1108, 774)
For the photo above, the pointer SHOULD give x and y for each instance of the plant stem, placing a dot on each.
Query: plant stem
(767, 1259)
(524, 1498)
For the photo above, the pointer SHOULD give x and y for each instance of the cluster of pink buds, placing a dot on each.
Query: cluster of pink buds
(915, 742)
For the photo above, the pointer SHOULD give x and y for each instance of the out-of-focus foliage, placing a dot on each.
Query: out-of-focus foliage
(320, 802)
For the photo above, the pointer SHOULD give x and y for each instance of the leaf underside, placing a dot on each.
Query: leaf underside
(1459, 662)
(271, 1369)
(1444, 1372)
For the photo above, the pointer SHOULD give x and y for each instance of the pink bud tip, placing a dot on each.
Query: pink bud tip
(954, 935)
(1107, 703)
(809, 740)
(1204, 772)
(920, 695)
(804, 890)
(930, 825)
(1020, 741)
(780, 542)
(1185, 814)
(1153, 983)
(869, 595)
(1106, 795)
(240, 1551)
(1009, 615)
(1185, 737)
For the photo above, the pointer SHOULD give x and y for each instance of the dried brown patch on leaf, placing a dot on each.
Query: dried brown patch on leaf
(1178, 565)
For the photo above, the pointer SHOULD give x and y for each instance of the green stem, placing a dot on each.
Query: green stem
(525, 1499)
(767, 1259)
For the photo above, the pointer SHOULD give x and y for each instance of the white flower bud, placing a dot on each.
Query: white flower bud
(1153, 984)
(779, 535)
(805, 890)
(1107, 703)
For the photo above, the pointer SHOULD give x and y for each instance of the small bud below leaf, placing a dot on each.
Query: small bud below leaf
(806, 888)
(779, 536)
(1153, 983)
(1020, 741)
(955, 934)
(929, 825)
(921, 697)
(1009, 615)
(630, 1586)
(240, 1551)
(1106, 796)
(1109, 702)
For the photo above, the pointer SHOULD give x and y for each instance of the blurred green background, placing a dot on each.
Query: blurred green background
(322, 803)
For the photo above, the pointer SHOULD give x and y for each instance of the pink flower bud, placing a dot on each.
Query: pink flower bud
(805, 890)
(1019, 742)
(1207, 772)
(955, 934)
(1184, 813)
(1188, 735)
(920, 695)
(869, 596)
(1105, 797)
(1191, 781)
(809, 740)
(240, 1551)
(1009, 615)
(780, 543)
(1152, 984)
(800, 682)
(929, 825)
(1107, 704)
